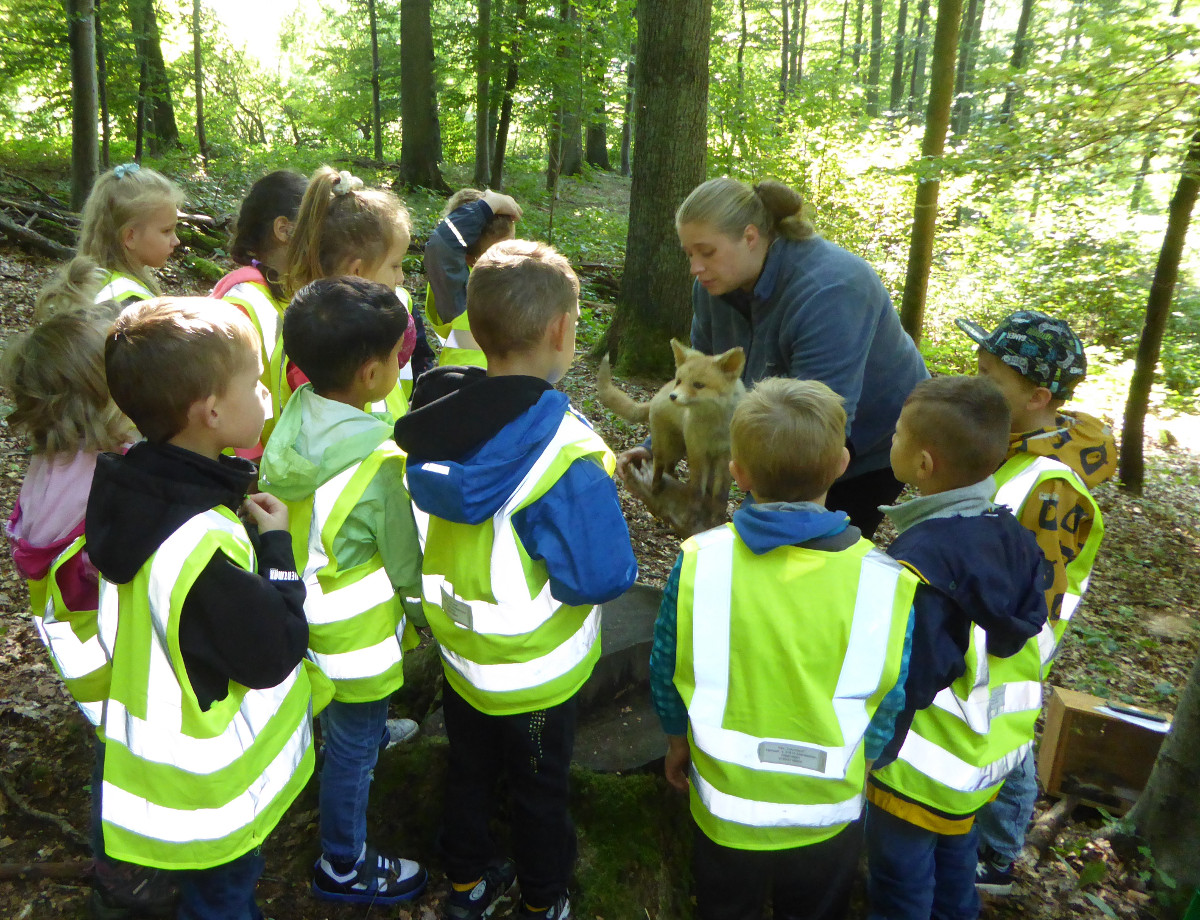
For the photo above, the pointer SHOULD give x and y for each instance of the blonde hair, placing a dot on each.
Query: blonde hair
(72, 287)
(54, 375)
(730, 206)
(789, 436)
(498, 227)
(164, 354)
(120, 199)
(338, 221)
(517, 288)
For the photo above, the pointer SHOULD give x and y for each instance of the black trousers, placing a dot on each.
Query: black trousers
(532, 750)
(861, 497)
(804, 883)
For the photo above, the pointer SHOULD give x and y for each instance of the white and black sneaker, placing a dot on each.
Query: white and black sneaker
(559, 910)
(993, 877)
(374, 879)
(478, 902)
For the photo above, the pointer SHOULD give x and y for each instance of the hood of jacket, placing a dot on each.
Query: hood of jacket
(767, 526)
(472, 443)
(314, 440)
(1081, 441)
(140, 499)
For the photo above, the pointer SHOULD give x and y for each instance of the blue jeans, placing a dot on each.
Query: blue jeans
(352, 733)
(223, 892)
(917, 874)
(1003, 821)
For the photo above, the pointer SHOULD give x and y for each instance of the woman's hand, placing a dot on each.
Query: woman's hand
(632, 459)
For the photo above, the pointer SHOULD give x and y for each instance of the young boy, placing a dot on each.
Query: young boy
(779, 637)
(525, 538)
(208, 722)
(981, 593)
(356, 545)
(1054, 458)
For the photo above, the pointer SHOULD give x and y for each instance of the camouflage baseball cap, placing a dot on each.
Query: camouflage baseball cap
(1038, 347)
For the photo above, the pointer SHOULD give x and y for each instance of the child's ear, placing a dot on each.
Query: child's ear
(926, 467)
(559, 330)
(1039, 399)
(742, 477)
(368, 373)
(203, 412)
(127, 236)
(282, 228)
(355, 268)
(845, 462)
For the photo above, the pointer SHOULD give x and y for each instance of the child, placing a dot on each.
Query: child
(128, 228)
(981, 593)
(342, 478)
(259, 244)
(1054, 458)
(345, 229)
(525, 537)
(208, 722)
(54, 376)
(472, 222)
(778, 639)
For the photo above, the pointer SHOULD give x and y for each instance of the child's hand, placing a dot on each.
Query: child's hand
(677, 762)
(268, 512)
(502, 204)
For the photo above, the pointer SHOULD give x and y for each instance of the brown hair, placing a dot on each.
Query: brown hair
(72, 287)
(54, 374)
(277, 194)
(339, 221)
(498, 227)
(120, 199)
(516, 290)
(164, 354)
(731, 206)
(963, 422)
(789, 436)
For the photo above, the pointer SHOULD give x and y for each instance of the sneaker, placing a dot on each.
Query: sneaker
(398, 732)
(478, 903)
(993, 877)
(375, 879)
(559, 910)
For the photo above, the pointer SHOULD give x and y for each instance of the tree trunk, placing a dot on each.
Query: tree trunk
(1139, 184)
(155, 96)
(597, 140)
(421, 138)
(800, 16)
(81, 36)
(741, 82)
(376, 118)
(627, 125)
(198, 76)
(941, 92)
(916, 86)
(510, 87)
(841, 34)
(483, 168)
(858, 34)
(897, 95)
(1020, 54)
(1132, 470)
(564, 154)
(102, 90)
(876, 57)
(654, 303)
(965, 77)
(785, 51)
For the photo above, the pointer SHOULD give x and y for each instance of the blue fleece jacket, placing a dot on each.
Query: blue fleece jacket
(821, 313)
(576, 528)
(446, 256)
(763, 528)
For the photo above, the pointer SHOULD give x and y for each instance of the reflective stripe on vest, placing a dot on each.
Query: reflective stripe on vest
(122, 287)
(183, 787)
(816, 788)
(356, 620)
(74, 645)
(514, 614)
(983, 703)
(263, 312)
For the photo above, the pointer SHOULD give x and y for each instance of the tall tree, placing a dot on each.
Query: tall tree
(483, 53)
(672, 93)
(376, 117)
(420, 143)
(627, 124)
(937, 118)
(565, 142)
(1020, 54)
(198, 77)
(596, 138)
(1158, 308)
(102, 90)
(841, 34)
(784, 54)
(964, 83)
(897, 95)
(876, 64)
(500, 148)
(916, 83)
(154, 92)
(81, 36)
(799, 39)
(858, 37)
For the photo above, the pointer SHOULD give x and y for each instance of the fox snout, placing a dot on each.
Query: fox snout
(674, 396)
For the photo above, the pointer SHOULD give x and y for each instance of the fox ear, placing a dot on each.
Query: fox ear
(681, 351)
(732, 362)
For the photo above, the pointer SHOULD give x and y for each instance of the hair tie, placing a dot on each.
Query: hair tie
(346, 183)
(125, 169)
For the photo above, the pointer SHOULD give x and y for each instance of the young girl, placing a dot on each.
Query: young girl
(128, 228)
(54, 376)
(472, 223)
(259, 244)
(345, 229)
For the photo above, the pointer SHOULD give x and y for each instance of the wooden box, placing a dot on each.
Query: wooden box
(1101, 756)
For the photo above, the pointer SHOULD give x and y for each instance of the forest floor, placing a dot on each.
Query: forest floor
(1134, 640)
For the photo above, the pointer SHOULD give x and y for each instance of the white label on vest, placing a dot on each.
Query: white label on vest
(458, 611)
(996, 703)
(792, 755)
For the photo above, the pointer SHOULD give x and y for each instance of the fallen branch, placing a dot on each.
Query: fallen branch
(50, 198)
(1046, 828)
(26, 809)
(32, 240)
(80, 869)
(29, 207)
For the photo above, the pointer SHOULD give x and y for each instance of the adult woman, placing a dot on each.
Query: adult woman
(801, 307)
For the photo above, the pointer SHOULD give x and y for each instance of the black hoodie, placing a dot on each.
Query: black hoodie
(235, 625)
